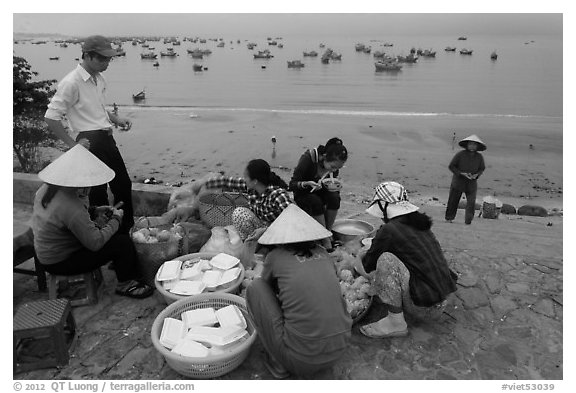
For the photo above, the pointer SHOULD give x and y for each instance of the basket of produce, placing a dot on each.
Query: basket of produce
(354, 287)
(156, 244)
(194, 274)
(204, 336)
(216, 208)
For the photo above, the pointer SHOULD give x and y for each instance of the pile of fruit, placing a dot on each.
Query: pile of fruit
(355, 288)
(156, 235)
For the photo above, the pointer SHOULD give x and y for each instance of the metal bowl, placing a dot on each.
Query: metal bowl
(348, 229)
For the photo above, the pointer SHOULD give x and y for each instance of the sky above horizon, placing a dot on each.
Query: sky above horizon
(286, 24)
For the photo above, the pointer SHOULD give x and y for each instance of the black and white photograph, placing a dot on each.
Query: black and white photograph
(316, 194)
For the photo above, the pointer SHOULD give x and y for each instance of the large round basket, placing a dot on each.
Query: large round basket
(170, 297)
(152, 255)
(212, 366)
(359, 317)
(216, 208)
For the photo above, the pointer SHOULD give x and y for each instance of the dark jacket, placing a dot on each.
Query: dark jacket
(430, 278)
(307, 170)
(465, 162)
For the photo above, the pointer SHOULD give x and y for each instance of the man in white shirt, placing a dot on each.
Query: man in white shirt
(80, 98)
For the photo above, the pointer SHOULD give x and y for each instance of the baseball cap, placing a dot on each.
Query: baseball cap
(100, 45)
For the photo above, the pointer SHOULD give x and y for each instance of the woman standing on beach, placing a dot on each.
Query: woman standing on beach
(466, 166)
(306, 183)
(267, 197)
(409, 271)
(66, 238)
(297, 305)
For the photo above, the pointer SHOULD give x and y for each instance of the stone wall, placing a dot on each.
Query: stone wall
(148, 199)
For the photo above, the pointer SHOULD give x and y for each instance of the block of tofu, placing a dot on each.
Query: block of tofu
(191, 349)
(199, 317)
(173, 330)
(224, 261)
(211, 278)
(215, 335)
(192, 273)
(188, 288)
(231, 316)
(170, 270)
(168, 285)
(205, 265)
(221, 349)
(229, 276)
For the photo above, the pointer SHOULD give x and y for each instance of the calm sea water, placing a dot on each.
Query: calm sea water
(525, 81)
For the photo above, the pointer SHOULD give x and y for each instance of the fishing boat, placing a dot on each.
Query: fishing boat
(196, 53)
(134, 42)
(176, 42)
(450, 49)
(462, 38)
(388, 44)
(311, 54)
(295, 64)
(428, 53)
(280, 45)
(322, 45)
(55, 58)
(359, 47)
(465, 51)
(63, 45)
(336, 56)
(148, 55)
(378, 54)
(387, 66)
(263, 54)
(494, 55)
(251, 45)
(197, 67)
(169, 52)
(139, 96)
(411, 58)
(367, 49)
(145, 45)
(273, 43)
(220, 45)
(156, 64)
(206, 51)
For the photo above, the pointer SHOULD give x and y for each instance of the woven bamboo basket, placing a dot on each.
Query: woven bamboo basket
(216, 208)
(152, 255)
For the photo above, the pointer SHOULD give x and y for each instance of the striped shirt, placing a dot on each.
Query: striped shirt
(430, 277)
(267, 206)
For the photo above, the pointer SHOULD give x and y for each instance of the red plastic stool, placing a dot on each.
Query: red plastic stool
(51, 319)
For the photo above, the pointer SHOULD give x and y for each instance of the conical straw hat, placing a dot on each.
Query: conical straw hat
(473, 138)
(77, 168)
(294, 225)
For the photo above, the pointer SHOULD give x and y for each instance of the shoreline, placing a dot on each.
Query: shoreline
(172, 147)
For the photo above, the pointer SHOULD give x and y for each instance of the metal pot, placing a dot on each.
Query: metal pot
(347, 230)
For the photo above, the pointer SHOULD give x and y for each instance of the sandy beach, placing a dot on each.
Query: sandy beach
(173, 146)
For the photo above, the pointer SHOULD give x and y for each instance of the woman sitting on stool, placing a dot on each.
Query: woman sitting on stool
(306, 183)
(66, 239)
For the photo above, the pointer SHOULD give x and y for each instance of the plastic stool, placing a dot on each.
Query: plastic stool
(44, 319)
(91, 280)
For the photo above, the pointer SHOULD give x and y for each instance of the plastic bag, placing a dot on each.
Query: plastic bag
(227, 240)
(197, 233)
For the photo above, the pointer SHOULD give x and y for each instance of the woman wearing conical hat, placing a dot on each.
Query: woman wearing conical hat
(405, 264)
(297, 305)
(66, 239)
(466, 166)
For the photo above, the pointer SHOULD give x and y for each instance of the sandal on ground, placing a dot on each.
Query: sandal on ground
(274, 367)
(135, 289)
(369, 331)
